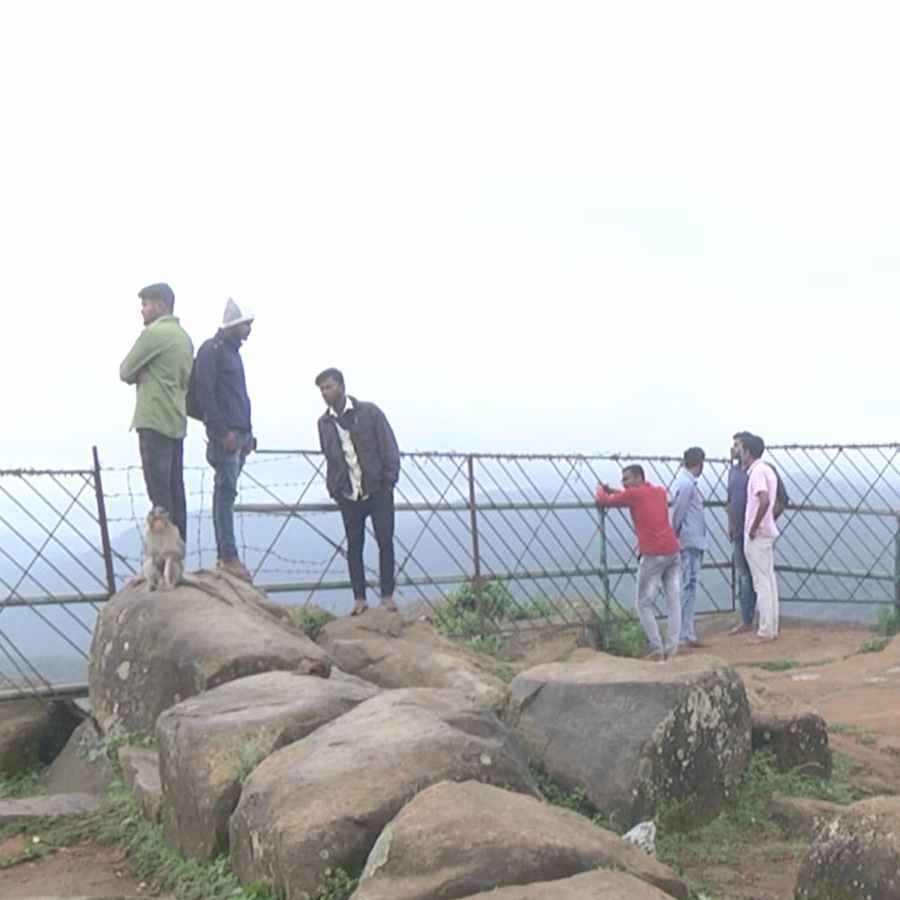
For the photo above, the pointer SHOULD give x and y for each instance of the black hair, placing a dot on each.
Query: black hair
(336, 374)
(693, 456)
(754, 445)
(741, 436)
(636, 470)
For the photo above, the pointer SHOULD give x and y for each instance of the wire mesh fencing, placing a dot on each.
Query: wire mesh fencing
(524, 522)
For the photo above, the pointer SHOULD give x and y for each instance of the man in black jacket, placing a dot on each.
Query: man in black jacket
(222, 397)
(363, 463)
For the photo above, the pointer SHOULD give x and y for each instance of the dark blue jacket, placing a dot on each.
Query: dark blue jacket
(221, 386)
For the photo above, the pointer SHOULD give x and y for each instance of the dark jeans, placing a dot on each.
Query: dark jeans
(746, 594)
(380, 506)
(162, 459)
(228, 468)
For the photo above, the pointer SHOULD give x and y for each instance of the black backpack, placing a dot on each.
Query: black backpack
(192, 405)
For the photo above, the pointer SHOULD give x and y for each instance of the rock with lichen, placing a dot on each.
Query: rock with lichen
(637, 737)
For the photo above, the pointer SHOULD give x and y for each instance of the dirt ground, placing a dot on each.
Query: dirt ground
(819, 666)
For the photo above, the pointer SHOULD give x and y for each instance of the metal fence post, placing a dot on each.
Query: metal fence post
(104, 526)
(476, 554)
(604, 579)
(897, 565)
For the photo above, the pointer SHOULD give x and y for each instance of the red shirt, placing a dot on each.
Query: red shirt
(649, 507)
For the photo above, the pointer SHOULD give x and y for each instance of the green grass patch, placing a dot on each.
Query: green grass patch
(784, 665)
(861, 735)
(621, 633)
(888, 622)
(746, 822)
(874, 645)
(573, 799)
(23, 784)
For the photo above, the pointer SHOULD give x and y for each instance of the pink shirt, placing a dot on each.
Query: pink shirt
(761, 478)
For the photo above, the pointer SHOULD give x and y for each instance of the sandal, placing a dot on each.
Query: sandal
(359, 610)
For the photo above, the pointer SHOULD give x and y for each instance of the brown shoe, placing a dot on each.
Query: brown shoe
(235, 567)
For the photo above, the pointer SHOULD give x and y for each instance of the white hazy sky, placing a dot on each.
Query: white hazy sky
(533, 226)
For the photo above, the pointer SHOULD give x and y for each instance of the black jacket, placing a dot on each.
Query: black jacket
(376, 449)
(221, 386)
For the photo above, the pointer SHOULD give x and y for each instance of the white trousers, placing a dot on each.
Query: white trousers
(760, 553)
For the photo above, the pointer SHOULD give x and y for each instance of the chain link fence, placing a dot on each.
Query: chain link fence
(68, 539)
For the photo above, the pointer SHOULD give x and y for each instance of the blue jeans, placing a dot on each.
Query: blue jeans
(746, 594)
(228, 468)
(691, 563)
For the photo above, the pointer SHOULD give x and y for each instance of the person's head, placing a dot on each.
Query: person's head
(157, 300)
(694, 458)
(331, 384)
(632, 476)
(236, 324)
(737, 441)
(752, 448)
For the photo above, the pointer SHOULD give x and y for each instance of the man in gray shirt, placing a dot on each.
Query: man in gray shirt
(690, 527)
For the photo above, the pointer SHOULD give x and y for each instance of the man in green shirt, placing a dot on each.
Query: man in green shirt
(159, 364)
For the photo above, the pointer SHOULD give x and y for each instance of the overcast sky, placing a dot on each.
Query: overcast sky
(515, 226)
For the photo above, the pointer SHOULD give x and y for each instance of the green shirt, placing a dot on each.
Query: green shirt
(160, 365)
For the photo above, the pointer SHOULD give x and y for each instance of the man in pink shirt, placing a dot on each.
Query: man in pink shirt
(760, 533)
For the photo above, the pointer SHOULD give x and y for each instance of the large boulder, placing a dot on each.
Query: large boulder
(797, 737)
(602, 884)
(34, 731)
(802, 817)
(83, 766)
(396, 652)
(635, 735)
(857, 855)
(454, 840)
(140, 771)
(152, 649)
(322, 802)
(209, 744)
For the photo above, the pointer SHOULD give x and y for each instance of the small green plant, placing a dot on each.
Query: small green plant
(492, 600)
(888, 622)
(574, 799)
(22, 784)
(338, 885)
(311, 618)
(621, 634)
(251, 753)
(875, 645)
(538, 608)
(108, 745)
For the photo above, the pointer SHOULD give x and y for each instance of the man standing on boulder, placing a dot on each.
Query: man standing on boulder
(689, 524)
(658, 554)
(223, 402)
(363, 463)
(160, 365)
(760, 533)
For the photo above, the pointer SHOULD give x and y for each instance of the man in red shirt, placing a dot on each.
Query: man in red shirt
(658, 554)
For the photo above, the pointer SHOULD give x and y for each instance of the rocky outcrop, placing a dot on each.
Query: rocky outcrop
(636, 734)
(395, 652)
(321, 802)
(602, 884)
(83, 766)
(803, 817)
(34, 731)
(211, 743)
(140, 772)
(454, 840)
(152, 649)
(856, 855)
(796, 737)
